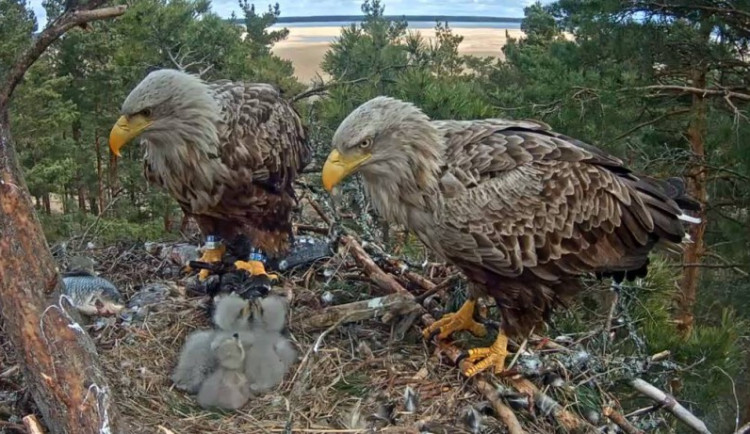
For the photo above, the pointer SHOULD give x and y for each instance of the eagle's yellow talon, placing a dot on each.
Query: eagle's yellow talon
(255, 268)
(491, 357)
(210, 256)
(463, 319)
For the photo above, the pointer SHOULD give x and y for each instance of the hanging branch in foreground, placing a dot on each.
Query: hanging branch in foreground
(671, 404)
(58, 357)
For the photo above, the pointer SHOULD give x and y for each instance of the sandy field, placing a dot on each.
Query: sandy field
(306, 46)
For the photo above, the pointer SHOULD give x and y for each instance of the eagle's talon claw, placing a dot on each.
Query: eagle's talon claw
(463, 319)
(489, 357)
(256, 268)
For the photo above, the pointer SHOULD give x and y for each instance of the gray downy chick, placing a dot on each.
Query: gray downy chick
(271, 354)
(227, 387)
(91, 294)
(196, 360)
(270, 312)
(232, 313)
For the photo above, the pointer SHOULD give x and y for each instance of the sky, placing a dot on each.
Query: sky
(504, 8)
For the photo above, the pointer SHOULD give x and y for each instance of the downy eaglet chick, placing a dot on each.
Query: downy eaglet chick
(227, 387)
(271, 354)
(196, 360)
(232, 313)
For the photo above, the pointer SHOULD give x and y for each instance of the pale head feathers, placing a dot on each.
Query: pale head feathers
(406, 150)
(181, 107)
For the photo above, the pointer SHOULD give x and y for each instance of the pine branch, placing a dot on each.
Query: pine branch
(57, 28)
(334, 84)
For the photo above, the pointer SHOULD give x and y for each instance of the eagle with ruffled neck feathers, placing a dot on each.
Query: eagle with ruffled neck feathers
(522, 210)
(226, 151)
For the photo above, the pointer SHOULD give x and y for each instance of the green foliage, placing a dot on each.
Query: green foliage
(17, 23)
(258, 37)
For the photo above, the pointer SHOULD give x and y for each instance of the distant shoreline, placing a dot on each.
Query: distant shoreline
(408, 18)
(306, 45)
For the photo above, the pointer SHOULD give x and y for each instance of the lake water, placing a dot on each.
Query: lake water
(413, 24)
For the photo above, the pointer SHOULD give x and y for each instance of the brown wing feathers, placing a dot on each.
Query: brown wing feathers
(541, 210)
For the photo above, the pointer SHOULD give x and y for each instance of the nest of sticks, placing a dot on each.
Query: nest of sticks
(356, 319)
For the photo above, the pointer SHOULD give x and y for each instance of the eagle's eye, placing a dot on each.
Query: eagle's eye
(145, 112)
(366, 143)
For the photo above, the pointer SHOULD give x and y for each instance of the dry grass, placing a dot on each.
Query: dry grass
(355, 381)
(358, 372)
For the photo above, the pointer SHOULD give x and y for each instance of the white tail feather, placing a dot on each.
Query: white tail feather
(689, 219)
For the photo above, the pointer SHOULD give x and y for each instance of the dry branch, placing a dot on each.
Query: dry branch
(359, 310)
(670, 404)
(620, 421)
(698, 91)
(504, 413)
(549, 406)
(32, 425)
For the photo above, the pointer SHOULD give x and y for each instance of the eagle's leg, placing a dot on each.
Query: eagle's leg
(213, 252)
(488, 357)
(463, 319)
(255, 265)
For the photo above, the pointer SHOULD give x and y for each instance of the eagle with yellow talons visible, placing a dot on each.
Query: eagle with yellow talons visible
(227, 151)
(522, 210)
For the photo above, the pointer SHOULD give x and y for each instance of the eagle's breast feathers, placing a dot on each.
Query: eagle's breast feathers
(247, 177)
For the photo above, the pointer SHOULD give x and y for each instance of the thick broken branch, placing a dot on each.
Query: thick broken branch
(359, 310)
(670, 404)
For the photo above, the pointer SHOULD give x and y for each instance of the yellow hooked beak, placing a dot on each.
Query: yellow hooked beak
(124, 131)
(337, 168)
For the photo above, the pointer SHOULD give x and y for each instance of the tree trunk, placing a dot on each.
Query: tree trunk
(47, 204)
(697, 189)
(114, 183)
(99, 173)
(167, 220)
(58, 357)
(82, 198)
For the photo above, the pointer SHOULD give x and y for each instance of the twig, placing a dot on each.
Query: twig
(670, 404)
(736, 400)
(115, 198)
(620, 421)
(440, 287)
(32, 424)
(311, 228)
(14, 426)
(325, 87)
(502, 411)
(744, 429)
(649, 122)
(316, 206)
(697, 90)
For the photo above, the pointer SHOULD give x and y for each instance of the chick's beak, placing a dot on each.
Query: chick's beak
(337, 167)
(125, 130)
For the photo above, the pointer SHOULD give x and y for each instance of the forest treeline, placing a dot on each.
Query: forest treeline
(664, 85)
